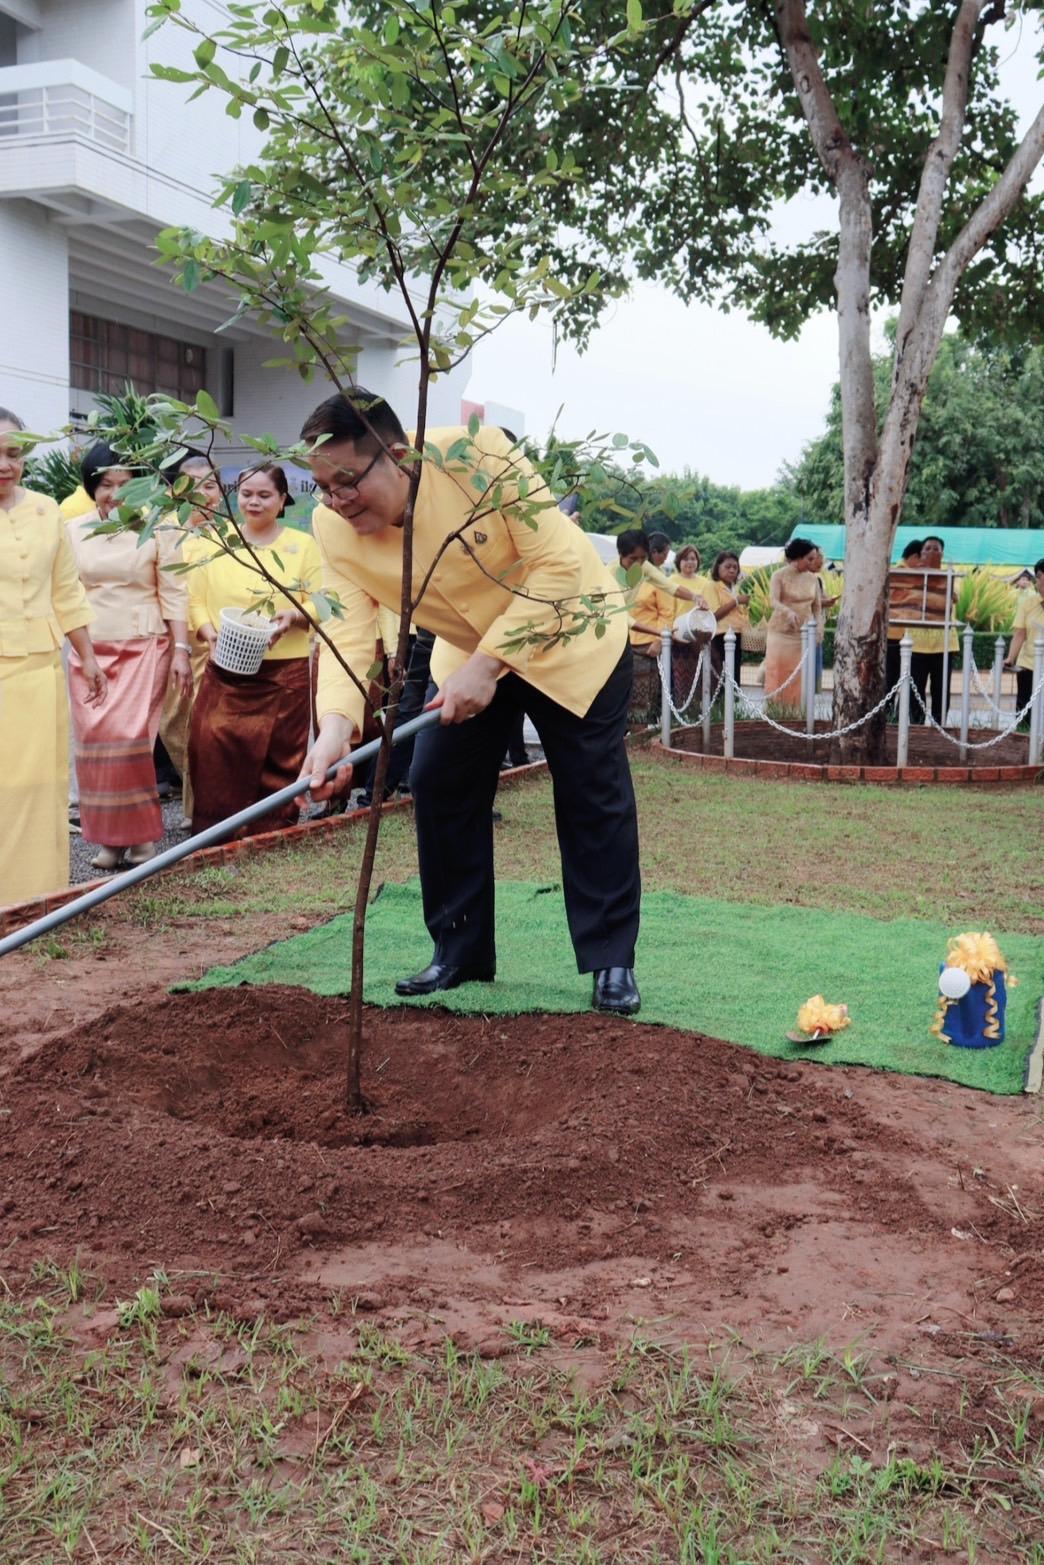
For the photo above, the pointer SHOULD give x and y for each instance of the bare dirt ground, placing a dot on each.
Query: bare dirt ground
(589, 1171)
(865, 1253)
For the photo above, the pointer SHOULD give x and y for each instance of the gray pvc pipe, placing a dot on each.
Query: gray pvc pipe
(181, 850)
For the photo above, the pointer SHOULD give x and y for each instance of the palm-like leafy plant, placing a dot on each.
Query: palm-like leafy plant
(55, 473)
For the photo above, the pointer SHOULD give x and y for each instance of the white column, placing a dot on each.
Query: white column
(729, 738)
(998, 676)
(665, 688)
(1036, 737)
(808, 673)
(967, 670)
(902, 749)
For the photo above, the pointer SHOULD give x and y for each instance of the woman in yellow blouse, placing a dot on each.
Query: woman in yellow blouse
(929, 646)
(794, 595)
(41, 602)
(687, 563)
(729, 607)
(250, 732)
(1029, 624)
(140, 638)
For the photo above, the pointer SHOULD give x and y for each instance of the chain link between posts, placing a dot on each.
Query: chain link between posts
(680, 715)
(797, 733)
(986, 695)
(761, 715)
(977, 744)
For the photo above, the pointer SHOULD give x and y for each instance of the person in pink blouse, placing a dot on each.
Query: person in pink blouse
(140, 639)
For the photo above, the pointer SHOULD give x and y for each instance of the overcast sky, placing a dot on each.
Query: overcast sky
(708, 391)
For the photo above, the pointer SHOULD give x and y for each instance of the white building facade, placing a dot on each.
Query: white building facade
(96, 156)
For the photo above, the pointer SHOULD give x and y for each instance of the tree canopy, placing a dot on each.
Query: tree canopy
(979, 455)
(683, 136)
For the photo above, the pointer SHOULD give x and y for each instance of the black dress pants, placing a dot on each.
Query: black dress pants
(926, 669)
(454, 778)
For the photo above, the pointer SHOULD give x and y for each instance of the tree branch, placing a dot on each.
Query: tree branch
(936, 172)
(850, 177)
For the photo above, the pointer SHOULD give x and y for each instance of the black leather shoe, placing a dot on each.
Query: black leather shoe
(443, 975)
(615, 990)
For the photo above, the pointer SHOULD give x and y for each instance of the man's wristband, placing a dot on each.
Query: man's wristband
(182, 646)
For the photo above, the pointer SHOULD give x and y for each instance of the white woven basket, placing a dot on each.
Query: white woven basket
(242, 641)
(696, 625)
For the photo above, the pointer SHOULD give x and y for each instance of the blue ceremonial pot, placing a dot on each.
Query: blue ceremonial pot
(977, 1020)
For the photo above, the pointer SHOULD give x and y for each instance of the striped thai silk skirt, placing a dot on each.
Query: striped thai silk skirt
(249, 737)
(119, 805)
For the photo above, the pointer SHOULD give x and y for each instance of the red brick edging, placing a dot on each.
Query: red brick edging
(889, 776)
(16, 914)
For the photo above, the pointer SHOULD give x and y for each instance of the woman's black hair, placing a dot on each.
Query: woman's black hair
(7, 417)
(273, 471)
(726, 554)
(798, 549)
(96, 462)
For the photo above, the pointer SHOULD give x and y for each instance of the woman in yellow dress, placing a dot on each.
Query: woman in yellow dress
(794, 595)
(250, 732)
(728, 604)
(42, 602)
(687, 564)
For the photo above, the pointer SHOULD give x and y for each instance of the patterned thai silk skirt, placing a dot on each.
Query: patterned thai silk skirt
(249, 737)
(119, 805)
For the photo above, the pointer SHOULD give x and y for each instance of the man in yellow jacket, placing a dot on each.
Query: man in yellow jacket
(501, 573)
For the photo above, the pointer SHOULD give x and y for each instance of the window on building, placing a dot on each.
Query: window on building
(105, 355)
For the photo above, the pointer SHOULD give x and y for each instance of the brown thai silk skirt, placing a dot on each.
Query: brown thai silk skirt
(249, 737)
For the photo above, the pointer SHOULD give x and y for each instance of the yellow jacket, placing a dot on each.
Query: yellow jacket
(469, 602)
(41, 596)
(657, 609)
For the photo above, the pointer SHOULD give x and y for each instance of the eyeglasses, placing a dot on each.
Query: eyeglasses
(349, 485)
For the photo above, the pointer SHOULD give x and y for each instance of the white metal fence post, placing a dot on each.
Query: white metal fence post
(729, 739)
(902, 746)
(1036, 737)
(998, 674)
(706, 672)
(948, 624)
(808, 674)
(665, 688)
(967, 670)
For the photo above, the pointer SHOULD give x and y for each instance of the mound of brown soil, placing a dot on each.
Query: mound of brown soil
(205, 1135)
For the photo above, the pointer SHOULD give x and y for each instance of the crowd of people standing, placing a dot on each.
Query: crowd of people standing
(107, 637)
(109, 629)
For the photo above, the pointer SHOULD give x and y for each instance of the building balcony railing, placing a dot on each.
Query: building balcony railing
(62, 100)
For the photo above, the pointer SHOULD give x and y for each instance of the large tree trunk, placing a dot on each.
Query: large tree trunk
(876, 471)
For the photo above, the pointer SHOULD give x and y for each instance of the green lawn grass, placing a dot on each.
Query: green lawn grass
(207, 1440)
(970, 858)
(728, 969)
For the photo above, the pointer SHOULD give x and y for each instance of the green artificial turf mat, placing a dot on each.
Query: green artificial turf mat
(727, 969)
